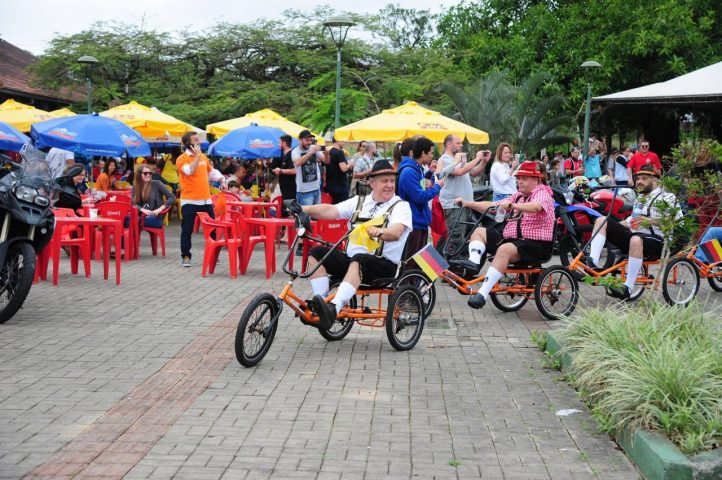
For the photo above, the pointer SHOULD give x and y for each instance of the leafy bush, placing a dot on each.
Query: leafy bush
(658, 368)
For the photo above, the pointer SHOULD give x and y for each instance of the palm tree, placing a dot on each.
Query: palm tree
(514, 114)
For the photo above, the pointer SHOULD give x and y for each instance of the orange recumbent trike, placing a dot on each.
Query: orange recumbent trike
(403, 316)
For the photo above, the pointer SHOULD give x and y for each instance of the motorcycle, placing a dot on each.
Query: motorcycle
(26, 194)
(581, 205)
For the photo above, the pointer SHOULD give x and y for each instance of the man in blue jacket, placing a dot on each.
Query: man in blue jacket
(417, 190)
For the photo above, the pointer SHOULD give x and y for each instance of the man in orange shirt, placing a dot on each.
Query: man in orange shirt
(194, 171)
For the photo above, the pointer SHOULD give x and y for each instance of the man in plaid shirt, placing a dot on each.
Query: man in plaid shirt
(527, 236)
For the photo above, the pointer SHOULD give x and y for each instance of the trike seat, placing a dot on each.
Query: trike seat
(525, 266)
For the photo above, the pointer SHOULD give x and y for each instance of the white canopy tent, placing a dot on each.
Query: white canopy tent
(701, 86)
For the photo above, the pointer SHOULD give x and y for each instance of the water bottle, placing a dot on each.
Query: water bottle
(500, 214)
(637, 210)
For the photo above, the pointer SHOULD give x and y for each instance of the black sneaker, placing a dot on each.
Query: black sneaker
(326, 312)
(621, 292)
(589, 262)
(299, 250)
(477, 301)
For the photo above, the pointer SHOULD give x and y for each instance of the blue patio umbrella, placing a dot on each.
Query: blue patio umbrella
(253, 141)
(89, 135)
(11, 138)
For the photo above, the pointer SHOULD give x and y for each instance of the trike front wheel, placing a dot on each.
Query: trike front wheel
(405, 317)
(505, 300)
(256, 330)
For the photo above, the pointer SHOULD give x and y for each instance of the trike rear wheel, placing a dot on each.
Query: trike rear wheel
(256, 330)
(509, 301)
(342, 326)
(405, 317)
(680, 282)
(427, 288)
(556, 293)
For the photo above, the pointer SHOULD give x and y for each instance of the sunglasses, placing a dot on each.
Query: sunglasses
(146, 173)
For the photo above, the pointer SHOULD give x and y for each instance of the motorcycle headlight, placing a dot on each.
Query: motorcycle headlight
(26, 194)
(41, 201)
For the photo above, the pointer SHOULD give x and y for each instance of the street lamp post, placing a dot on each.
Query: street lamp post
(338, 26)
(589, 67)
(88, 62)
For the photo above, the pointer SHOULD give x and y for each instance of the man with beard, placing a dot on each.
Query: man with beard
(639, 235)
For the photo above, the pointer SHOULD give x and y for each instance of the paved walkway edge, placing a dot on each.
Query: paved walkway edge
(118, 440)
(655, 456)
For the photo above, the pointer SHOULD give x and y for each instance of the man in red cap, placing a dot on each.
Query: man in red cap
(527, 236)
(639, 235)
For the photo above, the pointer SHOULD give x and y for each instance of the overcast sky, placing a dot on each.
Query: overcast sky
(31, 24)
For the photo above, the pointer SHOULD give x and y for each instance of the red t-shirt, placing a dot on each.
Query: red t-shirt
(639, 159)
(571, 165)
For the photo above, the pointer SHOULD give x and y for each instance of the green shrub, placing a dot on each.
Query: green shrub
(657, 368)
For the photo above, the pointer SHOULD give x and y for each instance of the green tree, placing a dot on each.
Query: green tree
(518, 115)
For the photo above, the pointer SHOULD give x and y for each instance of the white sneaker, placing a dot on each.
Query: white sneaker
(186, 262)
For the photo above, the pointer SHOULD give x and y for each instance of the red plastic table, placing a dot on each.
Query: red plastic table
(271, 227)
(88, 223)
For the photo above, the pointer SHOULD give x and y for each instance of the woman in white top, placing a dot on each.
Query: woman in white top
(502, 177)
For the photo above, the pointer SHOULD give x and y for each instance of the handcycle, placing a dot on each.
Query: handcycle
(555, 294)
(403, 318)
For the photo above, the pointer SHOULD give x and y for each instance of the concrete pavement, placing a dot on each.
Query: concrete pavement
(140, 381)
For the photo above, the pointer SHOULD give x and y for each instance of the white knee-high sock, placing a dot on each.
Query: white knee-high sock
(476, 250)
(343, 295)
(596, 247)
(633, 268)
(320, 286)
(492, 276)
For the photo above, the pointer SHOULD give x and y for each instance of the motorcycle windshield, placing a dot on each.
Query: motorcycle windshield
(35, 171)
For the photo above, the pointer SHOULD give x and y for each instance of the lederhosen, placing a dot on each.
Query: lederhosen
(530, 250)
(619, 236)
(372, 265)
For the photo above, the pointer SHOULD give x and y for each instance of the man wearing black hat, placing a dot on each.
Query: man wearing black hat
(639, 235)
(358, 263)
(307, 157)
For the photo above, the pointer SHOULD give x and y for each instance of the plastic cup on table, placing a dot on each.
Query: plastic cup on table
(93, 213)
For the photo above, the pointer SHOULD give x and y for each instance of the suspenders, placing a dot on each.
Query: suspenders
(356, 218)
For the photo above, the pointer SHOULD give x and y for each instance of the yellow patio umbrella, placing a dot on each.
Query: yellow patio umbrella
(406, 121)
(147, 121)
(63, 112)
(22, 116)
(266, 118)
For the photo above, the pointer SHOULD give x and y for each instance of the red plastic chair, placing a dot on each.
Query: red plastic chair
(226, 236)
(155, 234)
(249, 242)
(279, 206)
(329, 230)
(73, 238)
(119, 211)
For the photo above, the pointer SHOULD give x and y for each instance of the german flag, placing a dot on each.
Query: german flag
(712, 250)
(430, 261)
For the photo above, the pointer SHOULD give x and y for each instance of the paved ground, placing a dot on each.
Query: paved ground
(141, 381)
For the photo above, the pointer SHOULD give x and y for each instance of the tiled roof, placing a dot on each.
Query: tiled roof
(15, 78)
